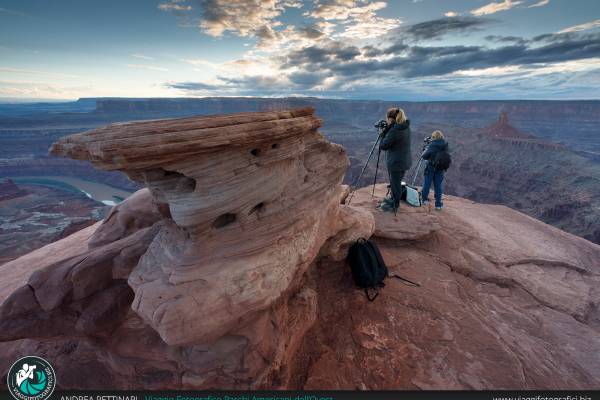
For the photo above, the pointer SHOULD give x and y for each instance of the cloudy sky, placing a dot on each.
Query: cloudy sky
(393, 50)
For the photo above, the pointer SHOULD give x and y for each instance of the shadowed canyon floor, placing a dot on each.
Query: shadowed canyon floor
(228, 272)
(33, 216)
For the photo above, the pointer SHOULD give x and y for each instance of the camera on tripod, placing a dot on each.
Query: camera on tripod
(381, 124)
(426, 142)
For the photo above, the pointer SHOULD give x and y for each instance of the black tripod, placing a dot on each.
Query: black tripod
(416, 171)
(357, 180)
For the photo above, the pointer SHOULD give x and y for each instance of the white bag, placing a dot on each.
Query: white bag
(413, 196)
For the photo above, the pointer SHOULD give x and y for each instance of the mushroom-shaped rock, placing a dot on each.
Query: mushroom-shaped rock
(252, 198)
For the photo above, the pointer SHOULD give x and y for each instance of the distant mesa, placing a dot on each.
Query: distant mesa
(503, 129)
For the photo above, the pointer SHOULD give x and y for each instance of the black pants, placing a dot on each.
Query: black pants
(396, 184)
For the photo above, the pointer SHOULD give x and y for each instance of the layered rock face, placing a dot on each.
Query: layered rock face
(204, 270)
(252, 198)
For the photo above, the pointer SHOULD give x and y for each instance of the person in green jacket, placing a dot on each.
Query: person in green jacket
(396, 143)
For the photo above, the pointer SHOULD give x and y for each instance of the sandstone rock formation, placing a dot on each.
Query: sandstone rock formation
(505, 302)
(252, 198)
(216, 277)
(204, 269)
(503, 129)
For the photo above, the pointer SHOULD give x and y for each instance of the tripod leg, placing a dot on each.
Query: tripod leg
(376, 169)
(363, 170)
(417, 171)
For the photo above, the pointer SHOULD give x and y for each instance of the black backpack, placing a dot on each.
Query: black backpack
(442, 160)
(368, 268)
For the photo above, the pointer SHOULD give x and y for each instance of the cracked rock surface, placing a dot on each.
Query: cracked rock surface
(505, 302)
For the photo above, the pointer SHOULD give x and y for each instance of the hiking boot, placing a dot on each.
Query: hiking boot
(387, 200)
(388, 208)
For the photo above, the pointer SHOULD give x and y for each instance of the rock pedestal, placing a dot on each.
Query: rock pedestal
(211, 257)
(252, 199)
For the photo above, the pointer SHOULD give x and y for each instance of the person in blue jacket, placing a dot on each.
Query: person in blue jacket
(396, 143)
(433, 175)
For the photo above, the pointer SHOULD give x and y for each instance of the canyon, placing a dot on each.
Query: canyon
(228, 271)
(552, 175)
(32, 216)
(500, 164)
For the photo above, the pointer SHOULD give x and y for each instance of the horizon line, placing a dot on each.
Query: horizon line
(15, 100)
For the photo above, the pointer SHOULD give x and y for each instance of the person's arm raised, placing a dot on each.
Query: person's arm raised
(427, 153)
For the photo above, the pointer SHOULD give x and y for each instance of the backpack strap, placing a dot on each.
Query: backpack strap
(436, 161)
(405, 281)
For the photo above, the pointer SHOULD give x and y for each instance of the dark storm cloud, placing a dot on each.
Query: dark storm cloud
(434, 29)
(565, 49)
(505, 39)
(438, 28)
(397, 48)
(310, 32)
(564, 37)
(349, 65)
(346, 53)
(265, 33)
(371, 51)
(192, 86)
(422, 61)
(306, 79)
(211, 11)
(548, 38)
(309, 55)
(320, 55)
(431, 61)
